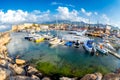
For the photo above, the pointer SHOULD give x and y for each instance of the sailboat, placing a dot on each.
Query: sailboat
(55, 41)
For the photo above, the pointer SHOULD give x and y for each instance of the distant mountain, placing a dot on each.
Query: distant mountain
(79, 24)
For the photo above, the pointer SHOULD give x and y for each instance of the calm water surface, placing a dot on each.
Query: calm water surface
(76, 57)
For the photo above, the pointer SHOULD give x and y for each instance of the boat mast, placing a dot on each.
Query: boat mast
(98, 24)
(89, 23)
(57, 25)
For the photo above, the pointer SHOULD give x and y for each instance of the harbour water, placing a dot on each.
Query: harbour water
(60, 55)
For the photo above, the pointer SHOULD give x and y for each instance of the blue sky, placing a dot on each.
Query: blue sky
(20, 11)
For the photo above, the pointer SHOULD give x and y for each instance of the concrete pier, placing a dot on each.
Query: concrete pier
(114, 54)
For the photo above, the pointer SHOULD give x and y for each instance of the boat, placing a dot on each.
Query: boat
(89, 46)
(100, 48)
(38, 38)
(69, 43)
(108, 45)
(29, 36)
(34, 37)
(76, 44)
(72, 37)
(54, 41)
(47, 36)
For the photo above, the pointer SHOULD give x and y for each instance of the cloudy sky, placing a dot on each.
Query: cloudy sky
(38, 11)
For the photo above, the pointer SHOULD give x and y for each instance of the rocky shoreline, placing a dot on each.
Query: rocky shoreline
(12, 71)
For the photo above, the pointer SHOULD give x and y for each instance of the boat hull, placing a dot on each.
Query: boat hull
(39, 40)
(87, 48)
(102, 51)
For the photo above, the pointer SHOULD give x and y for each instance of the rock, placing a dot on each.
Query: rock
(89, 77)
(20, 78)
(46, 78)
(4, 63)
(117, 71)
(24, 78)
(17, 70)
(99, 76)
(35, 77)
(66, 78)
(4, 73)
(3, 51)
(111, 76)
(32, 70)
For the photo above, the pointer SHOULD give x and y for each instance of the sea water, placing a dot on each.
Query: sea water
(60, 55)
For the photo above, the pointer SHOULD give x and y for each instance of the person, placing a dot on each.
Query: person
(61, 40)
(93, 51)
(77, 43)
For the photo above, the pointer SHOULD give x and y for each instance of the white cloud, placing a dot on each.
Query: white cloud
(56, 3)
(62, 4)
(70, 5)
(105, 19)
(95, 13)
(86, 13)
(65, 14)
(3, 27)
(19, 16)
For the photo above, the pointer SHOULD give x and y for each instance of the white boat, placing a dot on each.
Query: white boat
(38, 39)
(54, 41)
(72, 37)
(78, 33)
(89, 46)
(47, 37)
(34, 37)
(101, 48)
(108, 45)
(29, 36)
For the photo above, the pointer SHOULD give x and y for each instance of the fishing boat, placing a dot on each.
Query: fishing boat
(47, 36)
(100, 48)
(72, 37)
(69, 43)
(54, 41)
(29, 36)
(89, 46)
(76, 44)
(38, 38)
(108, 45)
